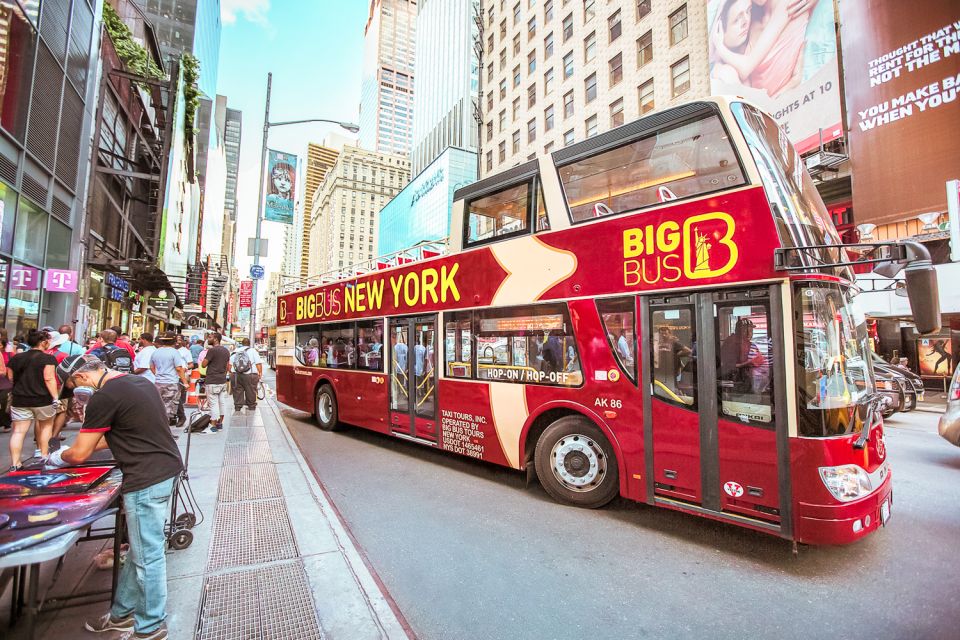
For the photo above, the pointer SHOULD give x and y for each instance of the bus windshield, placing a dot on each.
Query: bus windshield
(798, 211)
(833, 366)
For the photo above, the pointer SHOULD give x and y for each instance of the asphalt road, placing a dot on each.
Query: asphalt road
(468, 551)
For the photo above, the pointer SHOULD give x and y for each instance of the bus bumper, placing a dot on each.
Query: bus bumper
(847, 522)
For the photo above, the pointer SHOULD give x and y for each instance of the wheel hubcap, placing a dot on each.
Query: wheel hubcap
(578, 462)
(324, 408)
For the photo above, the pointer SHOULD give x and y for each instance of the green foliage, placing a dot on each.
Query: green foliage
(191, 94)
(134, 57)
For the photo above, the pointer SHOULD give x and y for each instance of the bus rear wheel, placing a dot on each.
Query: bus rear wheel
(575, 463)
(325, 408)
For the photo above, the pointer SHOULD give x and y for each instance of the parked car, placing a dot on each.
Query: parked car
(911, 382)
(949, 426)
(907, 398)
(889, 386)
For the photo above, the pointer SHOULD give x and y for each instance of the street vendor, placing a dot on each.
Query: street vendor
(126, 414)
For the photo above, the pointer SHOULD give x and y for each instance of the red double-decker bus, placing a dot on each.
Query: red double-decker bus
(660, 312)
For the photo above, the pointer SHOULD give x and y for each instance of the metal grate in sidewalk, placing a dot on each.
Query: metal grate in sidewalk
(271, 602)
(251, 532)
(247, 453)
(249, 482)
(237, 435)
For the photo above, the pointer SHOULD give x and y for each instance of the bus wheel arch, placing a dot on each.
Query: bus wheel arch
(325, 409)
(576, 460)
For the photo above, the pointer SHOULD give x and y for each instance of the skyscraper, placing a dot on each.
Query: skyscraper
(386, 100)
(446, 79)
(320, 160)
(231, 142)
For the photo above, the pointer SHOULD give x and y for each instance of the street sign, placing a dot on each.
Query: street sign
(256, 271)
(246, 294)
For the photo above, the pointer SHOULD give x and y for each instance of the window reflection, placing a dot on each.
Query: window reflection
(499, 214)
(18, 43)
(674, 356)
(617, 315)
(744, 365)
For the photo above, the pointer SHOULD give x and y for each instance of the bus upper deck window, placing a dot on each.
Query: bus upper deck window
(686, 161)
(500, 214)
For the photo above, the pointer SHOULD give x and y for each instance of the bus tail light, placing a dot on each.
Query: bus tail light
(846, 482)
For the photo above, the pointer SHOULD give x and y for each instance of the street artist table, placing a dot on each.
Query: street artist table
(42, 515)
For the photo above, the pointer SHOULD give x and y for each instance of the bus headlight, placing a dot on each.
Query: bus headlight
(846, 482)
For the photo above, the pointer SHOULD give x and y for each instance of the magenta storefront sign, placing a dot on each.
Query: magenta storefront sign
(61, 281)
(24, 278)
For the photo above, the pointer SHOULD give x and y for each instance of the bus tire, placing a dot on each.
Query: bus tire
(325, 408)
(576, 464)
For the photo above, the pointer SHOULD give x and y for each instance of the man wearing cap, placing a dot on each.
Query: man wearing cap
(126, 414)
(170, 372)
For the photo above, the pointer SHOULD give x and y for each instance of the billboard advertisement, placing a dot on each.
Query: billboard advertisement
(782, 56)
(281, 187)
(935, 356)
(901, 74)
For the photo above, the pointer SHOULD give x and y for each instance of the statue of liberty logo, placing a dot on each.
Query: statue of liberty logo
(702, 248)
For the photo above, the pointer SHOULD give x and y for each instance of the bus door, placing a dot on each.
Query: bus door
(713, 372)
(413, 380)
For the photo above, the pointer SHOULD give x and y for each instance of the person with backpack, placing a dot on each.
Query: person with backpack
(170, 372)
(245, 378)
(123, 341)
(115, 357)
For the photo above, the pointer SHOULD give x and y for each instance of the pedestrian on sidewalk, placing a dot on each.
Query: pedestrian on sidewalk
(169, 370)
(69, 346)
(126, 414)
(6, 386)
(217, 363)
(111, 354)
(247, 369)
(35, 396)
(196, 348)
(123, 341)
(191, 364)
(141, 364)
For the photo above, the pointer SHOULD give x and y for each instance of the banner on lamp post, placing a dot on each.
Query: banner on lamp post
(246, 294)
(281, 187)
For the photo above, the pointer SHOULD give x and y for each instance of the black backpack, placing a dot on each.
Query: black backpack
(117, 358)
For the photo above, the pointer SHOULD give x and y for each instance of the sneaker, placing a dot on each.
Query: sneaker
(107, 622)
(159, 634)
(37, 453)
(15, 467)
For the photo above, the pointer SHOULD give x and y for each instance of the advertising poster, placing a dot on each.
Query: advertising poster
(901, 65)
(782, 56)
(935, 356)
(281, 187)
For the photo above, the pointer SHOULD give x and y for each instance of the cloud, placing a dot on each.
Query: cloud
(250, 10)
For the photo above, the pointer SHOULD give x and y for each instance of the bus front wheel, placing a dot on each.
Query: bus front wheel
(576, 464)
(325, 408)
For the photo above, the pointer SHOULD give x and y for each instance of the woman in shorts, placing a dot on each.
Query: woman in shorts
(34, 396)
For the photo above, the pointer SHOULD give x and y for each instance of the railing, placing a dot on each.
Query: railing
(422, 251)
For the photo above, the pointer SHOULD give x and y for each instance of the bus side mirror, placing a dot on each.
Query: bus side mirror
(922, 289)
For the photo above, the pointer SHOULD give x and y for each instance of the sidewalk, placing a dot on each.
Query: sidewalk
(270, 558)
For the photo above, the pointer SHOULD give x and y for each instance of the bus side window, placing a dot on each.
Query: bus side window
(618, 315)
(338, 346)
(458, 348)
(308, 345)
(505, 213)
(674, 356)
(370, 344)
(743, 363)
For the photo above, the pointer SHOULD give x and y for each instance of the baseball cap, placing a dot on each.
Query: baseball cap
(57, 338)
(72, 364)
(167, 336)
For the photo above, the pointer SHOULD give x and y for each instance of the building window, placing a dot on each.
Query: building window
(516, 45)
(532, 130)
(616, 113)
(590, 88)
(547, 148)
(568, 104)
(503, 30)
(643, 9)
(516, 142)
(614, 26)
(548, 118)
(490, 101)
(548, 81)
(503, 59)
(548, 45)
(516, 14)
(16, 64)
(532, 28)
(590, 47)
(616, 69)
(532, 61)
(547, 11)
(516, 108)
(568, 65)
(568, 138)
(680, 76)
(490, 43)
(678, 25)
(532, 95)
(503, 152)
(645, 49)
(589, 10)
(568, 27)
(646, 97)
(516, 76)
(489, 131)
(504, 213)
(489, 160)
(591, 126)
(502, 120)
(503, 88)
(490, 72)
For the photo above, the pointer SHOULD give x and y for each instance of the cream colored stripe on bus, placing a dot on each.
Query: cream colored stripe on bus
(508, 404)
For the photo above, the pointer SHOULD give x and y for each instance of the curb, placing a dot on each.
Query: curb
(384, 611)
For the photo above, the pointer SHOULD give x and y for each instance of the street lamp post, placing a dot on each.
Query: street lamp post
(352, 128)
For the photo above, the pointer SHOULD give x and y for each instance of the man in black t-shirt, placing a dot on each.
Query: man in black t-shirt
(126, 414)
(217, 364)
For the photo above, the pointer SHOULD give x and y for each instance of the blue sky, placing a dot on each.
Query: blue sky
(315, 50)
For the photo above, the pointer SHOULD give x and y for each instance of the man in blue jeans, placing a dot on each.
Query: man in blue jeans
(126, 414)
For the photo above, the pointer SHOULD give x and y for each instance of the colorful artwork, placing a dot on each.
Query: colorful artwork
(37, 482)
(281, 187)
(936, 356)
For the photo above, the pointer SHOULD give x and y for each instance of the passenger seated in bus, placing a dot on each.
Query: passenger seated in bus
(328, 355)
(667, 351)
(312, 353)
(739, 356)
(552, 354)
